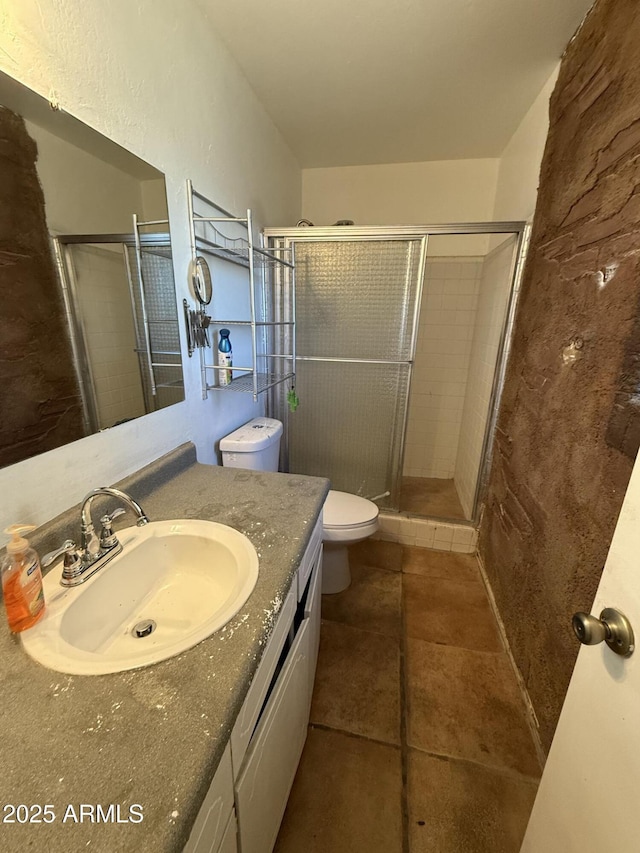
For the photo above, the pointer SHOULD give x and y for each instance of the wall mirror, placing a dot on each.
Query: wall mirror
(88, 317)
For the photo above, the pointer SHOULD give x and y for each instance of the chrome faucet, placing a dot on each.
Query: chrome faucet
(81, 563)
(87, 530)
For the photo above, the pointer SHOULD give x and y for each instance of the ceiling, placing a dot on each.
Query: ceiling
(373, 81)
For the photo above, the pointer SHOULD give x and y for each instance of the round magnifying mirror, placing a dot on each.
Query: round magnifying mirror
(201, 280)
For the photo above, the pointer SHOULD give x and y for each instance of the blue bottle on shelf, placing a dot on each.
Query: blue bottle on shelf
(225, 359)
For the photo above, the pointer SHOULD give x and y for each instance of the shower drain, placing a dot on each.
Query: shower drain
(144, 628)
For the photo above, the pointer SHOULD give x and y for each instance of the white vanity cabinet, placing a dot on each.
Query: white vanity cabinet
(264, 783)
(211, 826)
(247, 798)
(229, 843)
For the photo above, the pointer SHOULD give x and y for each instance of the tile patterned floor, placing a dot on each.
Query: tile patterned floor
(430, 497)
(418, 740)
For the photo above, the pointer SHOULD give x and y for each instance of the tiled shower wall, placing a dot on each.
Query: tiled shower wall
(493, 299)
(439, 381)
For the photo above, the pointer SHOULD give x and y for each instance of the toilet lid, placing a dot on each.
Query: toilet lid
(344, 510)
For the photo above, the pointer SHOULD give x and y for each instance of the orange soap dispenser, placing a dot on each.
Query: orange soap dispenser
(21, 580)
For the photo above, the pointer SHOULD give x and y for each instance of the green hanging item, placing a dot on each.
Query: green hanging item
(293, 399)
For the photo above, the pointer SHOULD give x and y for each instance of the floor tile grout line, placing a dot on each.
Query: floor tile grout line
(506, 772)
(365, 630)
(362, 565)
(448, 578)
(323, 727)
(404, 748)
(454, 646)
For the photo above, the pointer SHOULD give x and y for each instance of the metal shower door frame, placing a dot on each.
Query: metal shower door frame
(504, 348)
(329, 234)
(78, 335)
(394, 472)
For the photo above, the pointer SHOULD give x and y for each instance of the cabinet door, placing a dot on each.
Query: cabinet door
(310, 557)
(213, 816)
(272, 760)
(312, 613)
(250, 711)
(229, 843)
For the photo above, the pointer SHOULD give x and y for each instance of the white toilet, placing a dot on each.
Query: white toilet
(346, 518)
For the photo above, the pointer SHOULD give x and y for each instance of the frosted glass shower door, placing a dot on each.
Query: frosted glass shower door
(356, 308)
(155, 313)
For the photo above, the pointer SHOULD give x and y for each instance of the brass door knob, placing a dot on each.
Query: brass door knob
(613, 627)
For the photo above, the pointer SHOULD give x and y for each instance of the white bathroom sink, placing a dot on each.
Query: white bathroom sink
(186, 578)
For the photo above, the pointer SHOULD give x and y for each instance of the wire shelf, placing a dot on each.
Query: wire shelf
(264, 298)
(265, 323)
(236, 249)
(244, 384)
(178, 383)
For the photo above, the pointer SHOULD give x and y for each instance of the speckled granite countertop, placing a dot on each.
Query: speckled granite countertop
(153, 736)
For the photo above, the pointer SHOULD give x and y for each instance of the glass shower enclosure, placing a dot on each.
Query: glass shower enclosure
(364, 311)
(355, 329)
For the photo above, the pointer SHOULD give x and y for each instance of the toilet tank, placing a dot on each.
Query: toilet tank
(254, 445)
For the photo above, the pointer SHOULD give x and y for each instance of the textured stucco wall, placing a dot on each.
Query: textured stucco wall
(154, 77)
(39, 394)
(558, 480)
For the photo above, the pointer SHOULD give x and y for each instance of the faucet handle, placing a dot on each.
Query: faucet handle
(71, 557)
(110, 517)
(107, 537)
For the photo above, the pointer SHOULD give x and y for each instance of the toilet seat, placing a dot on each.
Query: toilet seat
(348, 518)
(342, 510)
